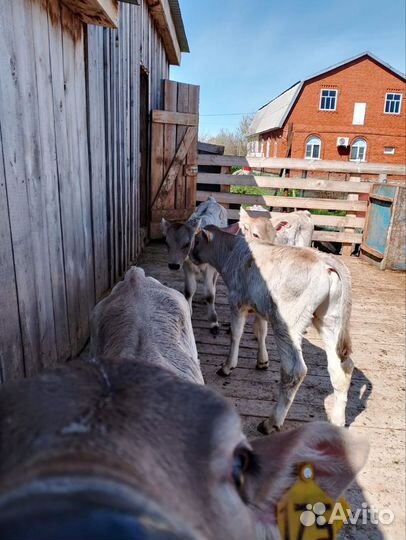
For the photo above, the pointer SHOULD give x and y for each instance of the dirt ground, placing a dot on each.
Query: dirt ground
(376, 406)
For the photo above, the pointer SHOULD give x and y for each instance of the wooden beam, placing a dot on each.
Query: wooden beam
(303, 165)
(210, 148)
(347, 247)
(311, 184)
(169, 117)
(344, 237)
(323, 221)
(99, 12)
(161, 14)
(285, 202)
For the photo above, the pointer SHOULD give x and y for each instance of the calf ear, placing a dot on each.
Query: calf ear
(195, 225)
(243, 214)
(281, 225)
(164, 226)
(336, 454)
(207, 235)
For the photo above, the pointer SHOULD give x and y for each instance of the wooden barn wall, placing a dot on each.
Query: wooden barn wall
(69, 141)
(115, 58)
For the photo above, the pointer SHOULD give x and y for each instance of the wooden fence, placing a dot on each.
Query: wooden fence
(349, 227)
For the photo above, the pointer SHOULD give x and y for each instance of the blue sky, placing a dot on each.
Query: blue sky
(245, 52)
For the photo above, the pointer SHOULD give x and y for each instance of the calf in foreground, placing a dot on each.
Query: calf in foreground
(179, 239)
(293, 229)
(289, 287)
(143, 318)
(116, 449)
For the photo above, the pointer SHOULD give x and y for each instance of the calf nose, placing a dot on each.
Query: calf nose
(173, 266)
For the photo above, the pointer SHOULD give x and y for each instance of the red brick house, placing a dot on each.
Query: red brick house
(354, 110)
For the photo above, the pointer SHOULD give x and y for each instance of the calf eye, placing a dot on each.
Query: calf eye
(185, 246)
(240, 466)
(255, 235)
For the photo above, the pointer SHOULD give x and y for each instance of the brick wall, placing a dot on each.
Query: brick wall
(362, 81)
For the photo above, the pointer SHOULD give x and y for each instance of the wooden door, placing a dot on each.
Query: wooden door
(174, 155)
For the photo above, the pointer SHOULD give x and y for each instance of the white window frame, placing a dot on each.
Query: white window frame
(312, 145)
(400, 102)
(389, 150)
(321, 97)
(365, 149)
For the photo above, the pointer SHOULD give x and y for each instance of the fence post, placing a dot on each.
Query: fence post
(347, 248)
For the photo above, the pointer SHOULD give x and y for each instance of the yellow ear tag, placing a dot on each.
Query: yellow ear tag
(306, 512)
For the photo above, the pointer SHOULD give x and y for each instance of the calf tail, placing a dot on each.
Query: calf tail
(344, 345)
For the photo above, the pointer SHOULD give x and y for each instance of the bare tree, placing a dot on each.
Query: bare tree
(234, 142)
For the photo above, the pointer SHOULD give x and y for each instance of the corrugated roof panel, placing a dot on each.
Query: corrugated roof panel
(179, 26)
(273, 115)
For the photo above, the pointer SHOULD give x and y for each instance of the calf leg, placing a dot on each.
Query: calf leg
(261, 331)
(190, 283)
(340, 369)
(210, 280)
(237, 321)
(292, 372)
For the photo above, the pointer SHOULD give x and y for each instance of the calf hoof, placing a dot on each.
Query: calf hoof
(222, 373)
(215, 330)
(266, 427)
(261, 367)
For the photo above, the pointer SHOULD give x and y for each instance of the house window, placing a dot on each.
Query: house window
(313, 147)
(389, 150)
(328, 100)
(358, 150)
(358, 118)
(393, 103)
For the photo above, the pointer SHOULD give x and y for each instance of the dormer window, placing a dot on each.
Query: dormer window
(328, 100)
(393, 103)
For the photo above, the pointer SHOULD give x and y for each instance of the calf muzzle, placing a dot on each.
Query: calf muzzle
(86, 517)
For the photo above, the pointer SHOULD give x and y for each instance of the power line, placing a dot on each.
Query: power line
(228, 114)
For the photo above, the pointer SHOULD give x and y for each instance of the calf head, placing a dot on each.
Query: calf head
(259, 228)
(179, 240)
(140, 450)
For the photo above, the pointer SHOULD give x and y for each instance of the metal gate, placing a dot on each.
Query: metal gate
(174, 155)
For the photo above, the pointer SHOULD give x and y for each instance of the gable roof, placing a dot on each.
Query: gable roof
(273, 115)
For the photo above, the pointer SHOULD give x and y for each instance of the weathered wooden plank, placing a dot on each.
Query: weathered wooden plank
(49, 183)
(22, 161)
(348, 245)
(326, 221)
(11, 348)
(157, 148)
(86, 263)
(192, 156)
(345, 237)
(310, 184)
(97, 156)
(100, 12)
(170, 103)
(285, 202)
(135, 131)
(182, 106)
(169, 117)
(66, 51)
(303, 164)
(161, 14)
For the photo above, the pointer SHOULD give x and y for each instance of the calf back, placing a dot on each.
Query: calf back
(143, 318)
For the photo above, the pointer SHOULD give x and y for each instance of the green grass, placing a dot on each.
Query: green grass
(251, 190)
